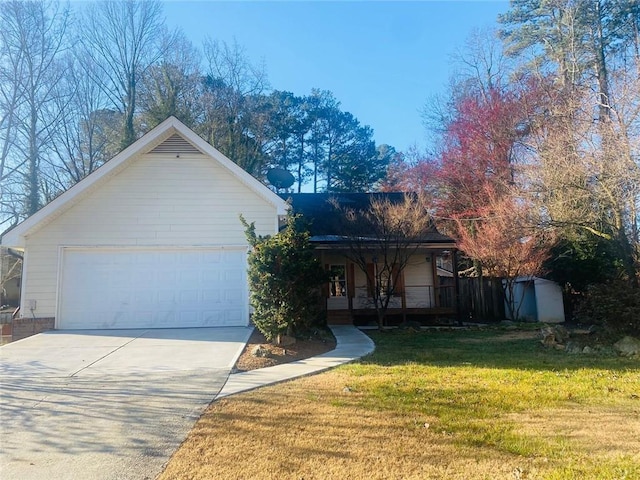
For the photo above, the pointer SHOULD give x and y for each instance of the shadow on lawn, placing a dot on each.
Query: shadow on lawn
(488, 348)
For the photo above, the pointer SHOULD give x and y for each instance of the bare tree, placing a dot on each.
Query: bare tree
(173, 86)
(124, 38)
(33, 40)
(88, 134)
(482, 65)
(382, 239)
(233, 88)
(580, 184)
(10, 269)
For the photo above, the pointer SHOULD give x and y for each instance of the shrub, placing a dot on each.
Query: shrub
(285, 279)
(615, 305)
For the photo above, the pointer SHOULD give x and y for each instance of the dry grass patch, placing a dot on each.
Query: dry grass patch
(455, 405)
(315, 428)
(601, 432)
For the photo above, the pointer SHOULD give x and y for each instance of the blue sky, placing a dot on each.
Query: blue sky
(382, 60)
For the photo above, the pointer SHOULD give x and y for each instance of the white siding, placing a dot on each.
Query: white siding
(158, 200)
(418, 282)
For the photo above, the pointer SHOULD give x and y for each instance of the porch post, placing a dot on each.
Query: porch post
(351, 287)
(456, 283)
(436, 282)
(324, 289)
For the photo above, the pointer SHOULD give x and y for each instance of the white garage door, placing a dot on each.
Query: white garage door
(152, 288)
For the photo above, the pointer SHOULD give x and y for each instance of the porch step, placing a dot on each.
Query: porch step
(339, 317)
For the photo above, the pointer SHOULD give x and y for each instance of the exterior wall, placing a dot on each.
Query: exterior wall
(362, 299)
(158, 200)
(419, 286)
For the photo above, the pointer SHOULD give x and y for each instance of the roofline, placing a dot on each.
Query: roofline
(343, 245)
(16, 236)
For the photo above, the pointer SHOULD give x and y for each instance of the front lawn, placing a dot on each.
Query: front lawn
(454, 405)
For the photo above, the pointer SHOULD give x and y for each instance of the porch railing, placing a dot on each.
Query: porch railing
(429, 296)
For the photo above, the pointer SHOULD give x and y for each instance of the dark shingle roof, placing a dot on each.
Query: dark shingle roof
(326, 225)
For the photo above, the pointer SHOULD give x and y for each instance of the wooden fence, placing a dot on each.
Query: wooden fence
(481, 299)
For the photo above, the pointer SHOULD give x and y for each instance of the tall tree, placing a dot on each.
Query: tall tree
(173, 85)
(319, 104)
(358, 164)
(233, 99)
(33, 40)
(588, 170)
(87, 135)
(124, 38)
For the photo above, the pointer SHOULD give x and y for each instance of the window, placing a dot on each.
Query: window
(384, 279)
(338, 282)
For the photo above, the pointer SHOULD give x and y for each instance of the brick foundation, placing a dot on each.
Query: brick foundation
(24, 327)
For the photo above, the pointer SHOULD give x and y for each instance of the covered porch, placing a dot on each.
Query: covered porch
(426, 290)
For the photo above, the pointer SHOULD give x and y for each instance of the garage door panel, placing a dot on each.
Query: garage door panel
(188, 297)
(210, 296)
(232, 296)
(117, 288)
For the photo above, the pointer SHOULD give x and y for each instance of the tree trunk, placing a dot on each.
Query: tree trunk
(601, 68)
(33, 199)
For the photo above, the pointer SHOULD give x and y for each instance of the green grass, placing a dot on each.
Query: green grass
(472, 385)
(461, 405)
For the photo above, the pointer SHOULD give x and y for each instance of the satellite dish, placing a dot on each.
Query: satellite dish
(280, 178)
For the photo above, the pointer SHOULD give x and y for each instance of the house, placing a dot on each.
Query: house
(426, 287)
(152, 239)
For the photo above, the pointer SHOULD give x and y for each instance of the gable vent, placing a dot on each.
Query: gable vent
(175, 144)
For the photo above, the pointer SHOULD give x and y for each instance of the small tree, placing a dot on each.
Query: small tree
(285, 279)
(381, 240)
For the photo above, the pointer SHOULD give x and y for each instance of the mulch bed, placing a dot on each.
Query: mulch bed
(301, 349)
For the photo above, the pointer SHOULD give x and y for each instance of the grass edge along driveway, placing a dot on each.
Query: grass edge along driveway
(454, 404)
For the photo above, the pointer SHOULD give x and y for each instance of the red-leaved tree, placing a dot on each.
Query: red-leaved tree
(478, 150)
(507, 242)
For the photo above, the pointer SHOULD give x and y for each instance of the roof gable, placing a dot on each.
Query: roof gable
(170, 137)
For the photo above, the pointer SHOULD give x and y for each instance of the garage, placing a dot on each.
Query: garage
(106, 288)
(151, 239)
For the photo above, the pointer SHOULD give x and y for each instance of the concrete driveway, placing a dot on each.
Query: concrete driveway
(107, 404)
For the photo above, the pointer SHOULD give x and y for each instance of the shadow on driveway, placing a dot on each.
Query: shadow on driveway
(100, 422)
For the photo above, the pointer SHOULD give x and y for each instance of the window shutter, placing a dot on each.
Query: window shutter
(371, 279)
(326, 288)
(397, 277)
(351, 290)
